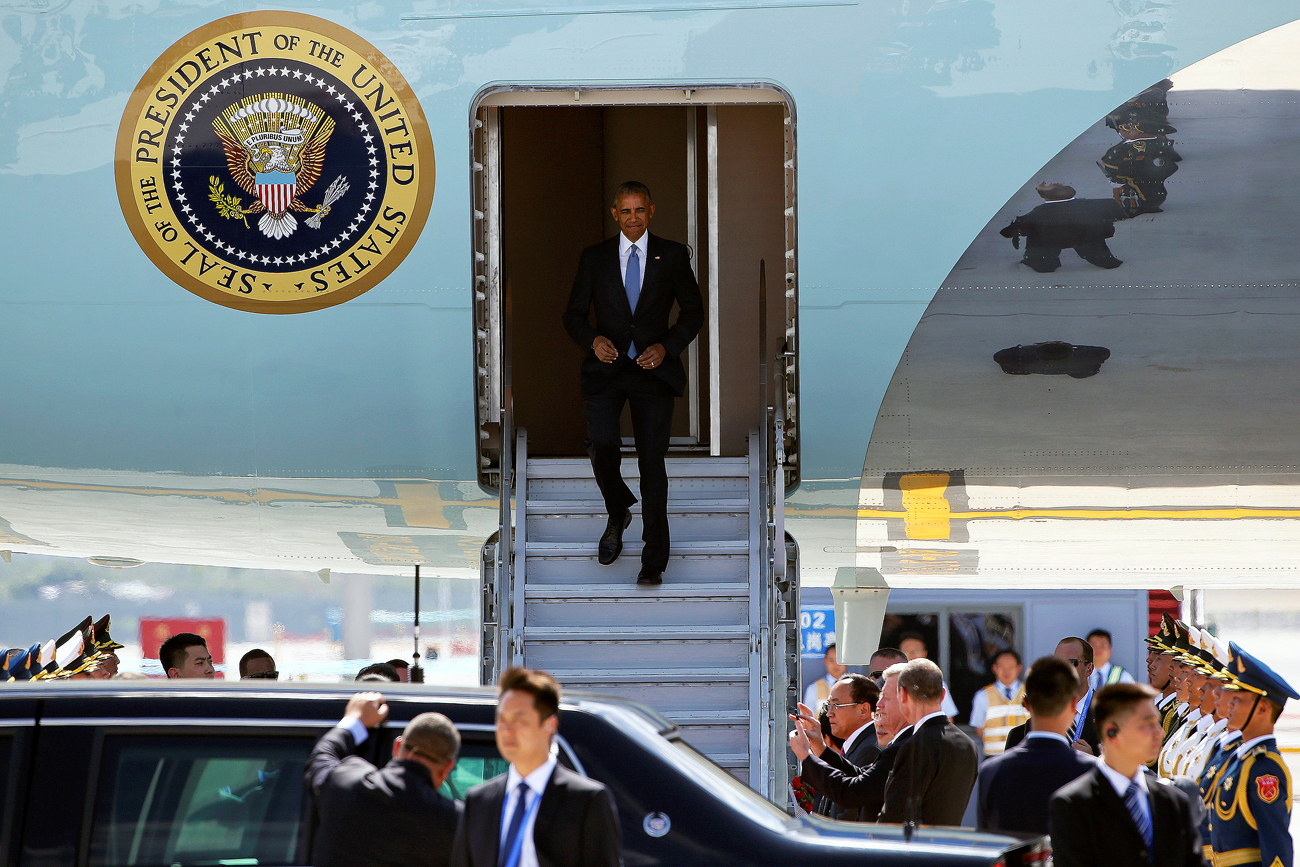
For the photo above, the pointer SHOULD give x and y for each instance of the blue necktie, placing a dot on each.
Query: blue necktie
(516, 822)
(1139, 817)
(632, 284)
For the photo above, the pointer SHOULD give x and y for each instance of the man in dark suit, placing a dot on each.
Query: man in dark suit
(383, 816)
(1119, 814)
(633, 280)
(1083, 733)
(860, 791)
(1015, 786)
(538, 814)
(1064, 221)
(935, 770)
(850, 708)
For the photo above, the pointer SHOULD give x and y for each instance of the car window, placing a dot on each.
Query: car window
(477, 762)
(189, 800)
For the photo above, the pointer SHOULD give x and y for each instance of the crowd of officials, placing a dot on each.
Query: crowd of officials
(1183, 772)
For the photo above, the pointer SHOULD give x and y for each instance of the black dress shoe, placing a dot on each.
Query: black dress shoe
(650, 576)
(611, 543)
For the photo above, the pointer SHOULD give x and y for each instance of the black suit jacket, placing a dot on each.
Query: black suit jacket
(1015, 787)
(1067, 224)
(576, 826)
(1091, 826)
(860, 789)
(667, 277)
(1089, 736)
(936, 768)
(865, 750)
(381, 816)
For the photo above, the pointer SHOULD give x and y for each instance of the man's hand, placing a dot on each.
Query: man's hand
(799, 741)
(1084, 747)
(369, 707)
(812, 728)
(652, 357)
(604, 349)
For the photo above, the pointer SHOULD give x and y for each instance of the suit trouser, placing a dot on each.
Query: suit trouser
(1047, 259)
(651, 403)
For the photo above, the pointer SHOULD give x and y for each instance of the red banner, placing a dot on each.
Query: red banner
(155, 630)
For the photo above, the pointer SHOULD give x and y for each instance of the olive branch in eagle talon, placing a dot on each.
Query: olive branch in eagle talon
(230, 207)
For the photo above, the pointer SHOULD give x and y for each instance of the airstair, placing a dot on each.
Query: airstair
(715, 648)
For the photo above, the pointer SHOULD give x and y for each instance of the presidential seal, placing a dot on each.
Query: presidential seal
(274, 162)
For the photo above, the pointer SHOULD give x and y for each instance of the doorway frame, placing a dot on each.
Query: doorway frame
(486, 254)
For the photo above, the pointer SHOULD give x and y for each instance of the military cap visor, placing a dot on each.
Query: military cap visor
(1253, 675)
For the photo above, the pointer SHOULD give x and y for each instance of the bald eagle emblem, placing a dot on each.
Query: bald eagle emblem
(275, 150)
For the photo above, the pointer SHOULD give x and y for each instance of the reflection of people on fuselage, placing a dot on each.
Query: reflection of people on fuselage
(632, 281)
(1139, 166)
(1064, 221)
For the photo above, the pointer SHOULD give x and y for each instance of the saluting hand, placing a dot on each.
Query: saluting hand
(369, 707)
(604, 349)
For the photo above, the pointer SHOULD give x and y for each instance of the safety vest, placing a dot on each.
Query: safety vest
(1002, 717)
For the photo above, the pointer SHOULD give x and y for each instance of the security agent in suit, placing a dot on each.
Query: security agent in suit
(935, 769)
(1064, 221)
(632, 281)
(538, 814)
(850, 708)
(860, 791)
(1251, 803)
(386, 816)
(1014, 787)
(1083, 732)
(1119, 814)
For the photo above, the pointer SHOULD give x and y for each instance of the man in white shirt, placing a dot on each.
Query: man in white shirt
(1103, 670)
(818, 691)
(999, 707)
(539, 812)
(1118, 815)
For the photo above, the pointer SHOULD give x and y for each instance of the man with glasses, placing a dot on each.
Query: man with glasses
(860, 789)
(1082, 733)
(257, 664)
(851, 708)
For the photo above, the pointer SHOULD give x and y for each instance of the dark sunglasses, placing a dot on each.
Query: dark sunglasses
(264, 675)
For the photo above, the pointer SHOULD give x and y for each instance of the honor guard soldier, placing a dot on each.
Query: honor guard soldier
(1215, 709)
(1180, 674)
(1251, 817)
(1139, 166)
(1221, 749)
(1198, 720)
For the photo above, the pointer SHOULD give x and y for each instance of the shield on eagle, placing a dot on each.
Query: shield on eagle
(276, 190)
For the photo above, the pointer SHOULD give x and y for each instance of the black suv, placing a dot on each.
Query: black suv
(157, 773)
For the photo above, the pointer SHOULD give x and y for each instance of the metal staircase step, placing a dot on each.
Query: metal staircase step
(724, 487)
(686, 525)
(686, 505)
(697, 467)
(618, 592)
(622, 607)
(561, 647)
(681, 549)
(579, 567)
(693, 695)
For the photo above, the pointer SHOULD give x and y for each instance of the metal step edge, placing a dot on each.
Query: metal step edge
(683, 548)
(658, 676)
(584, 508)
(602, 635)
(620, 592)
(708, 717)
(681, 468)
(726, 760)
